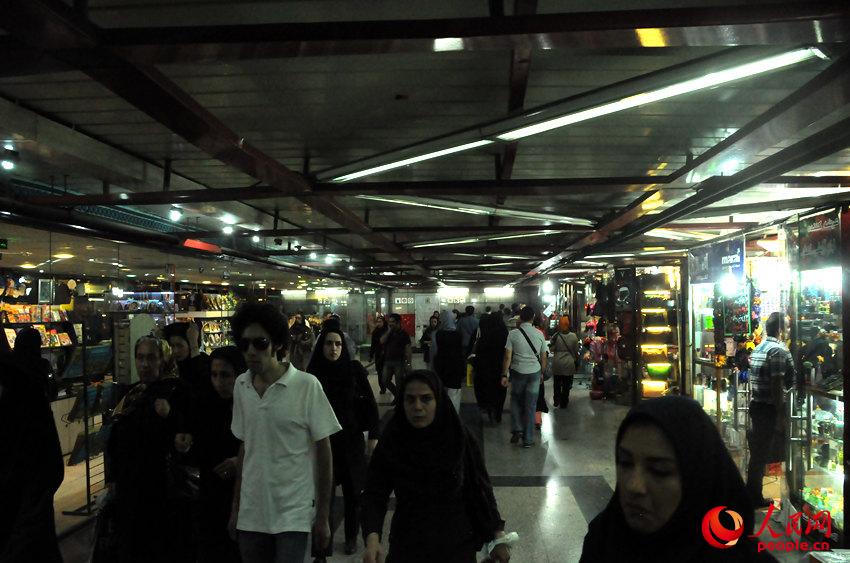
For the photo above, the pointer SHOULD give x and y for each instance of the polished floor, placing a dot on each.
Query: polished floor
(547, 494)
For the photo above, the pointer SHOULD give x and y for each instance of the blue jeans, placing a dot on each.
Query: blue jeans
(286, 547)
(524, 390)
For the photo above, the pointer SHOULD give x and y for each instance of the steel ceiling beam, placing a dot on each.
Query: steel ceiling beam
(425, 229)
(815, 100)
(766, 206)
(52, 26)
(819, 145)
(794, 23)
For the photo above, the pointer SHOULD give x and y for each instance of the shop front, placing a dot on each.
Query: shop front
(816, 468)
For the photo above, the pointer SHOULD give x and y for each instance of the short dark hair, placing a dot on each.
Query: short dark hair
(470, 309)
(526, 314)
(774, 324)
(264, 314)
(396, 317)
(488, 308)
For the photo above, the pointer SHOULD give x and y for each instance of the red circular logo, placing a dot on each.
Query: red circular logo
(716, 534)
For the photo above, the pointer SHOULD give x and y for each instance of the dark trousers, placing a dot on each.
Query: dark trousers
(760, 441)
(562, 386)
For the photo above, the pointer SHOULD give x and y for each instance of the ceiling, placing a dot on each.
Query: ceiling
(121, 110)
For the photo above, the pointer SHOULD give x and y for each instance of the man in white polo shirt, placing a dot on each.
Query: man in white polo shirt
(284, 468)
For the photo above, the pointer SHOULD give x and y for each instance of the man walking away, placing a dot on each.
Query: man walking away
(771, 372)
(398, 354)
(468, 328)
(284, 468)
(525, 360)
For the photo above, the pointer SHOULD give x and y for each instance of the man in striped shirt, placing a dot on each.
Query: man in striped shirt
(771, 372)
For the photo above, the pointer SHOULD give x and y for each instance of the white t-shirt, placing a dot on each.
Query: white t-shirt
(280, 431)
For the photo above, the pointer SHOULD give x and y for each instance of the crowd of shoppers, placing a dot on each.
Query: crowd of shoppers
(236, 456)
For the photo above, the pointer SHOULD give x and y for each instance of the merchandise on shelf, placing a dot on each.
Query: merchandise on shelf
(213, 302)
(215, 334)
(46, 319)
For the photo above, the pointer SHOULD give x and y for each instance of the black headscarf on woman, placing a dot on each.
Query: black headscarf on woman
(709, 478)
(336, 377)
(430, 456)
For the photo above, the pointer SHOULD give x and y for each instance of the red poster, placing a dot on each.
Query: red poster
(408, 323)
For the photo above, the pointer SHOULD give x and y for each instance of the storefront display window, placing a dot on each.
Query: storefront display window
(817, 445)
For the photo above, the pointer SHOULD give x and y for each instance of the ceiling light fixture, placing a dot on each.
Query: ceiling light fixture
(63, 256)
(228, 230)
(710, 80)
(255, 238)
(312, 256)
(184, 281)
(175, 214)
(624, 255)
(448, 242)
(475, 209)
(411, 160)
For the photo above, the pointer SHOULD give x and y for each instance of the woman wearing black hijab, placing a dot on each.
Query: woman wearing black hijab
(192, 364)
(376, 352)
(28, 356)
(672, 468)
(217, 448)
(445, 508)
(347, 388)
(489, 355)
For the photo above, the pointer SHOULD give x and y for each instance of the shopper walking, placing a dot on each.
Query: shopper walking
(334, 322)
(771, 372)
(489, 354)
(301, 342)
(672, 469)
(445, 507)
(565, 353)
(449, 358)
(428, 337)
(28, 356)
(397, 354)
(468, 328)
(376, 352)
(284, 467)
(153, 513)
(217, 450)
(193, 366)
(525, 360)
(345, 383)
(31, 468)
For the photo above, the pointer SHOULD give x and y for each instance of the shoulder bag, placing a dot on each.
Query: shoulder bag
(547, 373)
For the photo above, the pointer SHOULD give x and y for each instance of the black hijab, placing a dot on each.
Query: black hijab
(709, 478)
(428, 458)
(337, 378)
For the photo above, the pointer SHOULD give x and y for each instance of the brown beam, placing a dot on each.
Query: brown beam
(711, 26)
(51, 25)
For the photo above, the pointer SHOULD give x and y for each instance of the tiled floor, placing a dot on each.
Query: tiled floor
(547, 494)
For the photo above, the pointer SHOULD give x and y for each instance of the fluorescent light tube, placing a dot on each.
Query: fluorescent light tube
(709, 80)
(447, 242)
(411, 160)
(610, 256)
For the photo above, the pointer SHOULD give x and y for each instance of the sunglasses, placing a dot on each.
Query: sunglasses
(259, 344)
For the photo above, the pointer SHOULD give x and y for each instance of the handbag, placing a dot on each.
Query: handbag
(547, 373)
(183, 481)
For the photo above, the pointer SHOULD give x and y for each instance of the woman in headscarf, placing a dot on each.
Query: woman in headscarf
(346, 385)
(376, 352)
(489, 356)
(193, 366)
(448, 358)
(564, 347)
(445, 508)
(427, 337)
(28, 356)
(149, 424)
(672, 469)
(217, 448)
(302, 341)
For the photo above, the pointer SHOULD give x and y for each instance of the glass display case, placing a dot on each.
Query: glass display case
(659, 331)
(816, 466)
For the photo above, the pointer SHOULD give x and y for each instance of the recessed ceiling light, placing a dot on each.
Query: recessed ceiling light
(175, 214)
(206, 282)
(28, 266)
(312, 256)
(184, 281)
(255, 238)
(131, 275)
(63, 256)
(228, 230)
